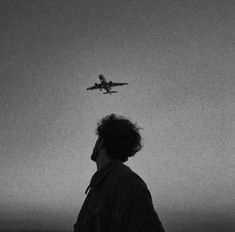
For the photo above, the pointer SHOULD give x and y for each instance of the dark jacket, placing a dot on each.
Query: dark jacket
(118, 201)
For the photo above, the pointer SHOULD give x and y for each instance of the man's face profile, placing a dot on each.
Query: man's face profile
(96, 149)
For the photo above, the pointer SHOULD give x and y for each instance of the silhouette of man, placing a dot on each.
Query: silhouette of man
(118, 200)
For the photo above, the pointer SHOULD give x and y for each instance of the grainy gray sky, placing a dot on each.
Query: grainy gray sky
(178, 57)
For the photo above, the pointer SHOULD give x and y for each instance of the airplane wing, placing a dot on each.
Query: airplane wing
(96, 86)
(113, 84)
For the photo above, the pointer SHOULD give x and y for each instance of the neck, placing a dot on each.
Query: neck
(102, 160)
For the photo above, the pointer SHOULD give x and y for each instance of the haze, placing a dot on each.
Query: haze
(178, 58)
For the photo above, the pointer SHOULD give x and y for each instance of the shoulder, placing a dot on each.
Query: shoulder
(126, 176)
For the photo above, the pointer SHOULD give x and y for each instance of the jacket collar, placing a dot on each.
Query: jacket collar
(101, 174)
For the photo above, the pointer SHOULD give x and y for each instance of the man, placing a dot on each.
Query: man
(118, 200)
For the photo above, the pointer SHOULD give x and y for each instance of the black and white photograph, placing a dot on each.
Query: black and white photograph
(117, 115)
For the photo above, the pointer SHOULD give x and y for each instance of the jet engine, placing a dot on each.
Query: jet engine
(96, 85)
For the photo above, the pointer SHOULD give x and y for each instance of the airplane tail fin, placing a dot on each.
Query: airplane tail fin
(110, 92)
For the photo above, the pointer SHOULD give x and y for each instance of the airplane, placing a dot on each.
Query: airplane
(107, 86)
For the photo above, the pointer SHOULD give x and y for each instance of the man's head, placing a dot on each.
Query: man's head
(118, 136)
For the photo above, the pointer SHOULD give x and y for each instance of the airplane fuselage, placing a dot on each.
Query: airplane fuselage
(104, 83)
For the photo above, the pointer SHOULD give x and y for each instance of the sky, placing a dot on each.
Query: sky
(178, 58)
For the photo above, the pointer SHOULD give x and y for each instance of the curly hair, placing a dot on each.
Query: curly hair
(121, 137)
